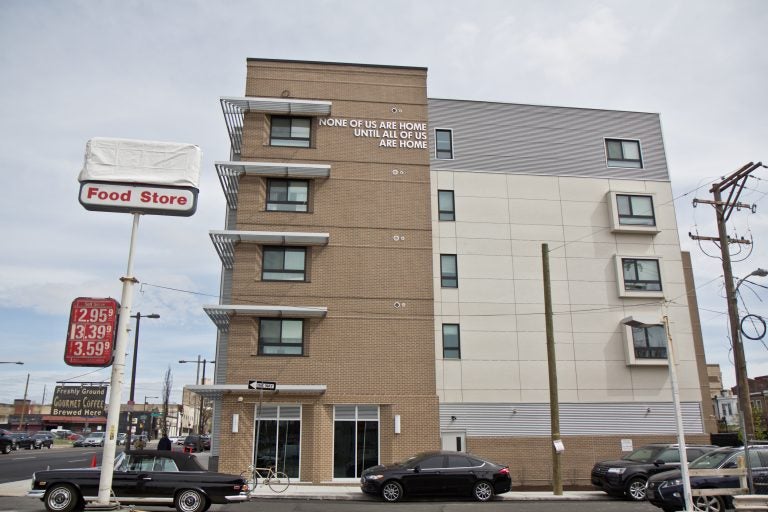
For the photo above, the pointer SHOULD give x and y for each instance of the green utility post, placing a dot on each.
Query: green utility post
(554, 410)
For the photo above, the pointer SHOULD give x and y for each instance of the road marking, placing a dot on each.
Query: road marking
(77, 460)
(23, 458)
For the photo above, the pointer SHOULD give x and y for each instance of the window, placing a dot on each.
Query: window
(650, 342)
(623, 153)
(355, 439)
(287, 195)
(449, 277)
(635, 210)
(451, 342)
(445, 206)
(283, 264)
(444, 144)
(290, 131)
(279, 438)
(641, 275)
(281, 337)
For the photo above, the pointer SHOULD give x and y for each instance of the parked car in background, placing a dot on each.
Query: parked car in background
(42, 441)
(121, 438)
(193, 443)
(94, 439)
(665, 490)
(22, 440)
(627, 477)
(78, 440)
(437, 473)
(7, 443)
(206, 439)
(180, 440)
(148, 477)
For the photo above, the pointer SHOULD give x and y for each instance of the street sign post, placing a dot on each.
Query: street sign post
(266, 385)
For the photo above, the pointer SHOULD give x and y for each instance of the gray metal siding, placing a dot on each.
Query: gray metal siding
(541, 140)
(576, 419)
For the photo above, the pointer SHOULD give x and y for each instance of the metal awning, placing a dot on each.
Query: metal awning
(221, 314)
(217, 390)
(230, 172)
(235, 109)
(225, 241)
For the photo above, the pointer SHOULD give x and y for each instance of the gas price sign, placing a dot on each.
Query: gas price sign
(91, 333)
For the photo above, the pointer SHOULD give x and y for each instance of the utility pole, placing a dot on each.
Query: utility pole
(733, 186)
(24, 403)
(554, 406)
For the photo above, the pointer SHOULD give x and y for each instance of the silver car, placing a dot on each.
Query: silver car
(94, 439)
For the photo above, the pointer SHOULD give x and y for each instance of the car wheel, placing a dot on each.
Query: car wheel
(392, 492)
(482, 491)
(190, 500)
(61, 498)
(708, 504)
(6, 448)
(636, 489)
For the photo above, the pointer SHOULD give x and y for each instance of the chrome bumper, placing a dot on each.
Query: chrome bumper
(36, 493)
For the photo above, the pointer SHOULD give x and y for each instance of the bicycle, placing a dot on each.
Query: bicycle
(277, 481)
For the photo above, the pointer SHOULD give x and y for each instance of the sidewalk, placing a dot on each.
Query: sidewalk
(350, 492)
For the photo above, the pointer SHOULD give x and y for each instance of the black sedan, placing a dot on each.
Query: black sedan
(149, 477)
(437, 473)
(22, 440)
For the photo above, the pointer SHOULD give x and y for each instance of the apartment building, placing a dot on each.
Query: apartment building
(381, 263)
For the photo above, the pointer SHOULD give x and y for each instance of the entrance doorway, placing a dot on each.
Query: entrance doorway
(454, 441)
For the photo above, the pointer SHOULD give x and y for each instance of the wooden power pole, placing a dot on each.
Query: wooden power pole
(733, 186)
(554, 407)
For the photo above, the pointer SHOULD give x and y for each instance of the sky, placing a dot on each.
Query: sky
(73, 70)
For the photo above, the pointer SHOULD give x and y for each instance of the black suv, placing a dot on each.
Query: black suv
(7, 442)
(628, 476)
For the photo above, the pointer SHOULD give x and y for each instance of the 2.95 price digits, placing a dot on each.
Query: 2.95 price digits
(94, 315)
(90, 332)
(90, 348)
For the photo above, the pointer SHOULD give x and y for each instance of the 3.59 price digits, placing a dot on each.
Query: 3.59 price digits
(90, 348)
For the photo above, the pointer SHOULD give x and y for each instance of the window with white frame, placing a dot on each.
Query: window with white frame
(639, 276)
(632, 212)
(444, 144)
(645, 341)
(623, 153)
(445, 207)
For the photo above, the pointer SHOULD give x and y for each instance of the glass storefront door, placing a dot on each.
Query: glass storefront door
(355, 439)
(278, 438)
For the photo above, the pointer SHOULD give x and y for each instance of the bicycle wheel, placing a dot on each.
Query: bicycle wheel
(278, 481)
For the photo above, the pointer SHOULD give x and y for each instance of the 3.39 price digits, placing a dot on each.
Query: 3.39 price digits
(90, 332)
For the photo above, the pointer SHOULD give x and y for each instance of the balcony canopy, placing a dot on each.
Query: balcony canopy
(230, 172)
(235, 109)
(225, 241)
(222, 313)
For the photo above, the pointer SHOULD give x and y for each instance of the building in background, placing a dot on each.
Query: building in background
(382, 265)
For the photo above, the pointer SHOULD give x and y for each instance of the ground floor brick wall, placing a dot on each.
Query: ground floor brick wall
(530, 458)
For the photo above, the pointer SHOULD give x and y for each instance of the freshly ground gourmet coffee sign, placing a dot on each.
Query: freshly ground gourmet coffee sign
(79, 401)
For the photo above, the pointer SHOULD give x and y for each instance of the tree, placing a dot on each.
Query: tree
(166, 396)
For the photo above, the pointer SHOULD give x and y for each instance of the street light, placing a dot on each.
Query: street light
(671, 366)
(11, 362)
(145, 401)
(197, 381)
(137, 316)
(739, 359)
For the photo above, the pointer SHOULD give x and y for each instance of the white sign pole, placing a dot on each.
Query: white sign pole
(118, 371)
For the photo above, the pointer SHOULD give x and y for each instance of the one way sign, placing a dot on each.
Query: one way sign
(262, 384)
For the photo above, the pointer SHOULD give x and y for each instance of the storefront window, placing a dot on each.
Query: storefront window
(356, 439)
(279, 438)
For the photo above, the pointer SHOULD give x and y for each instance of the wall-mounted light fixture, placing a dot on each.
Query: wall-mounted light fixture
(235, 423)
(397, 423)
(453, 418)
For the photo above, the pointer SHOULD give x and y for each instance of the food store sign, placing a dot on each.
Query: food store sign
(118, 197)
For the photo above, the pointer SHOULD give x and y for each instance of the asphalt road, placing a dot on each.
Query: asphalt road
(290, 505)
(20, 465)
